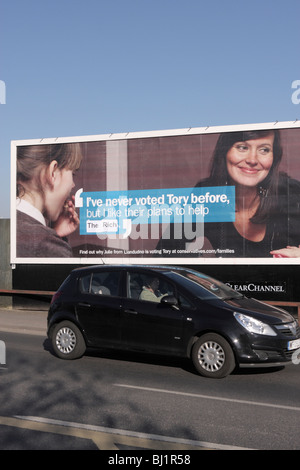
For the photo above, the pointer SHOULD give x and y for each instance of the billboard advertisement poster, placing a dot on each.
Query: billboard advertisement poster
(221, 195)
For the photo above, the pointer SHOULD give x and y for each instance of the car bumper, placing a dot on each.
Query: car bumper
(260, 352)
(264, 364)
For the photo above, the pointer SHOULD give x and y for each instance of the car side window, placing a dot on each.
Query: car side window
(148, 287)
(100, 283)
(84, 284)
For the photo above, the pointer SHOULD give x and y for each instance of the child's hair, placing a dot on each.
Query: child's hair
(32, 158)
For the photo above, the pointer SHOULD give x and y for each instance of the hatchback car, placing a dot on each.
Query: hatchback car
(171, 311)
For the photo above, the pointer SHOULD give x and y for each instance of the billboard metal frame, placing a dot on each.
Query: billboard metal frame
(128, 136)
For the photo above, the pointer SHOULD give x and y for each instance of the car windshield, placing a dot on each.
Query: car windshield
(206, 287)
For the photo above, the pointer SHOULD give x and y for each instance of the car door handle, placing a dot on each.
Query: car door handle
(131, 311)
(83, 304)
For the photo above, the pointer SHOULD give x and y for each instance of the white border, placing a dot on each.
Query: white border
(141, 135)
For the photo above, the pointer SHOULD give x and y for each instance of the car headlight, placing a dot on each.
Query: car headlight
(253, 325)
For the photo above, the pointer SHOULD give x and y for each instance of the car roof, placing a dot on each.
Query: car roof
(118, 267)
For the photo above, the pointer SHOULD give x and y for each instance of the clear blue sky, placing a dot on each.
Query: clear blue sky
(85, 67)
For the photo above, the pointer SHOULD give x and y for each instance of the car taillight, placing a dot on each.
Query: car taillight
(56, 296)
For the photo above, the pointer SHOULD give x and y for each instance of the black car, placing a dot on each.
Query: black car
(169, 310)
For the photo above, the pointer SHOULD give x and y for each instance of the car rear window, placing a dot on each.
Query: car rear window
(100, 283)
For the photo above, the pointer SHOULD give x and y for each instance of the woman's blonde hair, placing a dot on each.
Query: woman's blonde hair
(31, 159)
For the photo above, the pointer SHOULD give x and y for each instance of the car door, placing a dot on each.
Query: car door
(148, 324)
(99, 308)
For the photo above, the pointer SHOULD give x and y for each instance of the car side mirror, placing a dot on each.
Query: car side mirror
(170, 300)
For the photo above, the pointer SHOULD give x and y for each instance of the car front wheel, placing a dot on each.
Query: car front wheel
(212, 356)
(67, 341)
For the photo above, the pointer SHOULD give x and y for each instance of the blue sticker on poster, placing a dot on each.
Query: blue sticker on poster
(116, 212)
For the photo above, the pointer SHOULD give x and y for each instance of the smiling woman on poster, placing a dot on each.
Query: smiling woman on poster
(267, 200)
(267, 215)
(45, 208)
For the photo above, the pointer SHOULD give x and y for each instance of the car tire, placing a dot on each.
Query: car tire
(67, 341)
(213, 356)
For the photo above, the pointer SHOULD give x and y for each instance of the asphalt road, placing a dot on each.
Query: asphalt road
(118, 401)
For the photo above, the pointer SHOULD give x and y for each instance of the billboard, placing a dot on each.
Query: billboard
(216, 195)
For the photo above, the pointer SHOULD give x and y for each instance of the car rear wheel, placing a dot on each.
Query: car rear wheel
(212, 356)
(67, 341)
